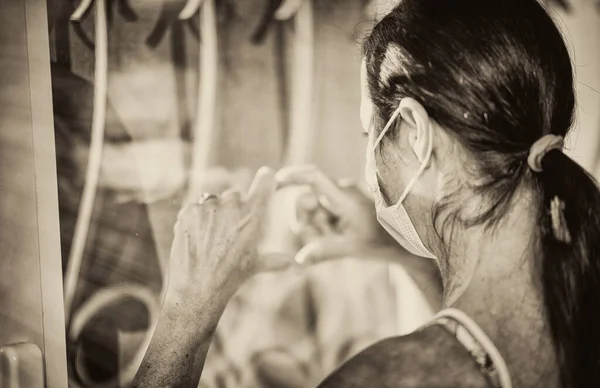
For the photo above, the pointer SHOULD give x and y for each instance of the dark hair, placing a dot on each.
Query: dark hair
(497, 76)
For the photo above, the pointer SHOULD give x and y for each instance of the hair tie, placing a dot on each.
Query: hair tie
(541, 147)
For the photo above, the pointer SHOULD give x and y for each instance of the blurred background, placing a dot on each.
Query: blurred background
(199, 95)
(156, 101)
(196, 103)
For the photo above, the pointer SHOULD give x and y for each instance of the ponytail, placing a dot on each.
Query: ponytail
(569, 238)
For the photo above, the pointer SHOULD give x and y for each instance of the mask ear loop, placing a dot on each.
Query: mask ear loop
(387, 127)
(421, 169)
(423, 165)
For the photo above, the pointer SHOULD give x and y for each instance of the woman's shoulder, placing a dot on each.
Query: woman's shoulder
(431, 357)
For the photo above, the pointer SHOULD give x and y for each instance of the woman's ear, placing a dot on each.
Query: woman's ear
(415, 115)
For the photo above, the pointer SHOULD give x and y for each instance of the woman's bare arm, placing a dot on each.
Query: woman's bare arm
(176, 355)
(214, 251)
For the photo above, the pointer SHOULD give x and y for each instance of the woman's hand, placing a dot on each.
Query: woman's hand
(214, 251)
(346, 226)
(215, 245)
(339, 221)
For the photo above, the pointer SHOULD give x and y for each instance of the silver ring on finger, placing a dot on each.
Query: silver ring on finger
(207, 197)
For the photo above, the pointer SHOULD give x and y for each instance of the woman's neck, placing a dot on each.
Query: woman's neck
(492, 282)
(511, 314)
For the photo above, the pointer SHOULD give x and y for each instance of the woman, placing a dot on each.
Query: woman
(466, 104)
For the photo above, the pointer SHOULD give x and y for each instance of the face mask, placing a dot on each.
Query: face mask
(395, 219)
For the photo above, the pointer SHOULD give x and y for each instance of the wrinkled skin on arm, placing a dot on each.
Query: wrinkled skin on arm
(213, 253)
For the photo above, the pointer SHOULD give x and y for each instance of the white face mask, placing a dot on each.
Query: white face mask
(394, 218)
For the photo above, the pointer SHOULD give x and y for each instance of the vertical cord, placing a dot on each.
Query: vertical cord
(86, 205)
(302, 132)
(205, 126)
(283, 84)
(301, 129)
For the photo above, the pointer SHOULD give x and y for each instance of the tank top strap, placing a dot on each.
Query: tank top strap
(479, 345)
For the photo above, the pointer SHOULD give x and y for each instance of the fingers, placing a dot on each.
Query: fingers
(230, 212)
(339, 247)
(262, 188)
(307, 203)
(232, 196)
(308, 233)
(321, 183)
(209, 200)
(305, 207)
(326, 248)
(275, 262)
(351, 186)
(320, 224)
(324, 222)
(253, 209)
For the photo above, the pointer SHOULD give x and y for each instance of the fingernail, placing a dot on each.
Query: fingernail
(299, 258)
(346, 182)
(264, 170)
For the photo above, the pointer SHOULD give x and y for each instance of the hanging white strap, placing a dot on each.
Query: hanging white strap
(90, 187)
(302, 131)
(205, 131)
(479, 335)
